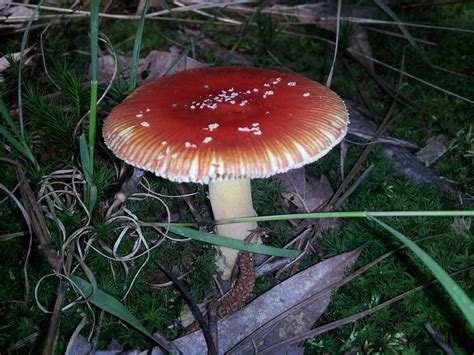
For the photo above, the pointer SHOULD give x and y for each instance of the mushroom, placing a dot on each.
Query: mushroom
(223, 126)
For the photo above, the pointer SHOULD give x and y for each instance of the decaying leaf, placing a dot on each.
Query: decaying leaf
(154, 4)
(461, 226)
(17, 14)
(434, 149)
(5, 60)
(152, 67)
(303, 194)
(217, 50)
(277, 300)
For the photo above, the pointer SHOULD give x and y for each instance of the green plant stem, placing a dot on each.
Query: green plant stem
(348, 214)
(92, 126)
(136, 49)
(94, 28)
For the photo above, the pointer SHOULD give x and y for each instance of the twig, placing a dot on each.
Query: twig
(439, 339)
(192, 306)
(212, 318)
(271, 267)
(58, 306)
(38, 224)
(194, 211)
(128, 188)
(55, 318)
(341, 322)
(353, 187)
(378, 133)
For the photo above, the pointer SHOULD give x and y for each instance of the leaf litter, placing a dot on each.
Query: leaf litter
(152, 67)
(281, 298)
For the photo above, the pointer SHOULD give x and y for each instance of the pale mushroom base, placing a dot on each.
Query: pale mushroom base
(231, 199)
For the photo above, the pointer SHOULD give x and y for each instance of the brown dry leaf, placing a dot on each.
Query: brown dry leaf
(154, 4)
(208, 45)
(17, 14)
(461, 226)
(279, 299)
(434, 149)
(4, 61)
(303, 194)
(152, 67)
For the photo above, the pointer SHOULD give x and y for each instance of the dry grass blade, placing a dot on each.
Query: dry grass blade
(82, 13)
(411, 76)
(338, 25)
(378, 133)
(370, 21)
(39, 226)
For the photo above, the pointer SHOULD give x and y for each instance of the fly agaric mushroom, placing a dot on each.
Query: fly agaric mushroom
(224, 126)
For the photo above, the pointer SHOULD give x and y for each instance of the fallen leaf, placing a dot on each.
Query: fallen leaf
(303, 194)
(208, 45)
(461, 226)
(434, 149)
(154, 4)
(18, 14)
(5, 4)
(5, 60)
(402, 159)
(277, 300)
(80, 346)
(152, 67)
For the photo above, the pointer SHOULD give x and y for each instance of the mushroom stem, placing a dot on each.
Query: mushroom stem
(231, 199)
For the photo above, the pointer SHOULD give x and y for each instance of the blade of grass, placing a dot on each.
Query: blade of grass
(348, 214)
(455, 292)
(136, 48)
(24, 40)
(233, 243)
(84, 157)
(18, 142)
(7, 117)
(113, 306)
(94, 28)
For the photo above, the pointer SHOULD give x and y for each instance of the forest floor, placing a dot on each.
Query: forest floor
(422, 81)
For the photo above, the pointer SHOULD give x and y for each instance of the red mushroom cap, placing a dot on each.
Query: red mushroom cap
(223, 123)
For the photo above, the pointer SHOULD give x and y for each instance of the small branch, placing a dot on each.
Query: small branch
(212, 318)
(55, 319)
(353, 187)
(38, 224)
(439, 339)
(194, 211)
